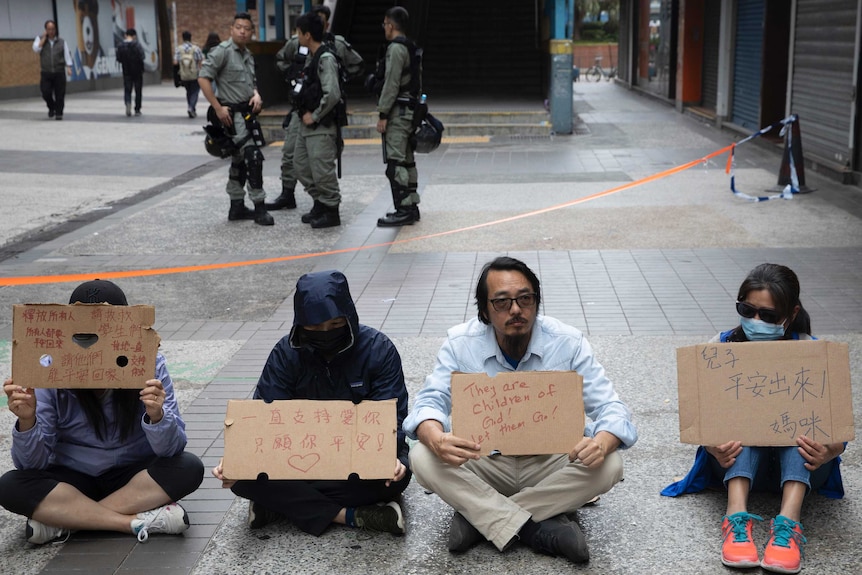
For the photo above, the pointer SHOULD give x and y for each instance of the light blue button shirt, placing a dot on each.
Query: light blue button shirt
(554, 346)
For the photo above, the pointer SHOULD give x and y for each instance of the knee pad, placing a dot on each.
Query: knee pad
(391, 167)
(253, 159)
(238, 173)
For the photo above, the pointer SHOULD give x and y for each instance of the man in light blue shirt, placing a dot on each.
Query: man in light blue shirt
(506, 499)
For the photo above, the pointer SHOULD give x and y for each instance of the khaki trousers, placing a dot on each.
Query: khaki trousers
(498, 494)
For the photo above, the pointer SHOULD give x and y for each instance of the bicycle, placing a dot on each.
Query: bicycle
(597, 72)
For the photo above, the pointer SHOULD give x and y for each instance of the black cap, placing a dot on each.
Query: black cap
(131, 32)
(99, 291)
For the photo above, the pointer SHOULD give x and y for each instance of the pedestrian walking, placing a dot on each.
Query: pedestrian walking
(55, 63)
(187, 63)
(131, 55)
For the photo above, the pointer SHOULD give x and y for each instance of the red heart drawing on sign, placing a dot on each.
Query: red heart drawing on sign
(303, 462)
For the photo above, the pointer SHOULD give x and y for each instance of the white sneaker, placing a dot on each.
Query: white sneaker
(39, 533)
(170, 518)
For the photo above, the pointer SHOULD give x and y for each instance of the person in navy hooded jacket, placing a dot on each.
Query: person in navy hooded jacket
(328, 354)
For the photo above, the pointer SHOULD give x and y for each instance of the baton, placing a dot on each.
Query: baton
(383, 145)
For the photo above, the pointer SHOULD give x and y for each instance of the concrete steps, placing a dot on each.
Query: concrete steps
(458, 123)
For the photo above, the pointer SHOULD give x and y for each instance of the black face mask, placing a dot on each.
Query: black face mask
(331, 341)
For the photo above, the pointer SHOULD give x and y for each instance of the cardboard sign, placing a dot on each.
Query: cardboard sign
(310, 439)
(764, 393)
(519, 413)
(121, 353)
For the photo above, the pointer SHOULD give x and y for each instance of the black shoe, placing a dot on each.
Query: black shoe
(238, 211)
(385, 517)
(261, 216)
(414, 206)
(50, 113)
(328, 219)
(191, 113)
(137, 112)
(462, 534)
(561, 537)
(59, 117)
(258, 516)
(316, 211)
(403, 216)
(287, 199)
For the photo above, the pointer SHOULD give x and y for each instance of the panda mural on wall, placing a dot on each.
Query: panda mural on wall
(100, 26)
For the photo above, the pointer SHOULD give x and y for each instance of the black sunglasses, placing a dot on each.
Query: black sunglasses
(749, 311)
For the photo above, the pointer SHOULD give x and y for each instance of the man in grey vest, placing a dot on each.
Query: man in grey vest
(56, 63)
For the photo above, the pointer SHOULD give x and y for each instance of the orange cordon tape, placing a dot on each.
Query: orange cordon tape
(34, 280)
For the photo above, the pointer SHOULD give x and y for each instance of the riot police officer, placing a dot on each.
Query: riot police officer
(290, 60)
(319, 103)
(399, 83)
(231, 66)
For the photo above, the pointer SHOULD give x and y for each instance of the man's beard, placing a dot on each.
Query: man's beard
(516, 343)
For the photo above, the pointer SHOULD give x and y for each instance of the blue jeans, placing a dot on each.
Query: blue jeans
(767, 468)
(192, 91)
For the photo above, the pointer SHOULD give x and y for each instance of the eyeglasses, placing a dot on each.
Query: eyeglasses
(766, 314)
(385, 24)
(525, 300)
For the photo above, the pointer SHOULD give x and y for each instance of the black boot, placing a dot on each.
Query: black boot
(403, 216)
(238, 211)
(286, 200)
(316, 211)
(329, 218)
(416, 206)
(261, 216)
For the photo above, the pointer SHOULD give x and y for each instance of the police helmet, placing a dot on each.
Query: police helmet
(428, 135)
(217, 142)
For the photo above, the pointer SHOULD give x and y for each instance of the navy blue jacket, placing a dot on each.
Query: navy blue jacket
(368, 368)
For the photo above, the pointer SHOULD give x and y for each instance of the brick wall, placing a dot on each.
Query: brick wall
(584, 55)
(19, 65)
(200, 17)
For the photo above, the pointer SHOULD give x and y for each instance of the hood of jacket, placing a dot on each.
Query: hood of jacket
(320, 297)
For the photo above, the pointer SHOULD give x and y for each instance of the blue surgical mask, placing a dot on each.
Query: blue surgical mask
(759, 330)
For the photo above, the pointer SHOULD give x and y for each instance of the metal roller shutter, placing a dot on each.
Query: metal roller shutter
(822, 89)
(747, 62)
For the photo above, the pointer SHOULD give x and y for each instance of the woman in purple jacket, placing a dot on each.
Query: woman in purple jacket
(99, 459)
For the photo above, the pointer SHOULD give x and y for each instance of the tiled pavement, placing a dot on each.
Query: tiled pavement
(613, 292)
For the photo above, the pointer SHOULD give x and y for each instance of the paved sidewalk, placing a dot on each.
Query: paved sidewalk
(641, 272)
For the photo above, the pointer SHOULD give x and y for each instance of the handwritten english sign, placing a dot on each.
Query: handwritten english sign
(310, 439)
(117, 347)
(764, 393)
(519, 413)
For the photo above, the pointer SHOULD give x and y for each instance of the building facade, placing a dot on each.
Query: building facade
(745, 64)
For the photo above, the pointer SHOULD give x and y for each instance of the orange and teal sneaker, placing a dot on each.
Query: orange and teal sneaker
(737, 544)
(783, 552)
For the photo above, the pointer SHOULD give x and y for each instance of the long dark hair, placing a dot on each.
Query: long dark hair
(126, 404)
(783, 285)
(502, 263)
(213, 40)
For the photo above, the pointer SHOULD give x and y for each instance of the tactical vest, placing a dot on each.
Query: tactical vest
(53, 58)
(415, 71)
(312, 90)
